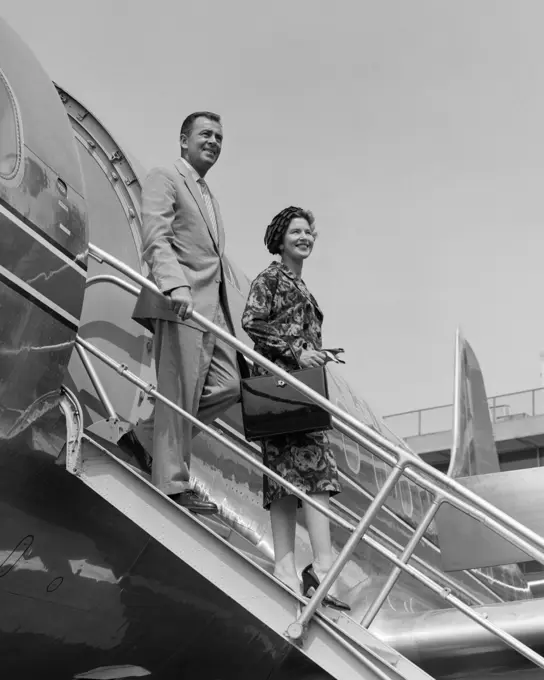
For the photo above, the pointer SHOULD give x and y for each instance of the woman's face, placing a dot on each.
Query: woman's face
(298, 240)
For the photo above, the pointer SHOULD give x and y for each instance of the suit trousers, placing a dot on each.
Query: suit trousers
(198, 372)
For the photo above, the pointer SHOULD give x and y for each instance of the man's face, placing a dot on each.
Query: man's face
(203, 145)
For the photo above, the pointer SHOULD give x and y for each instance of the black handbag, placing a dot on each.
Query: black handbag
(271, 407)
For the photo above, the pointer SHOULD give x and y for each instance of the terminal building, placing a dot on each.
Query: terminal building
(518, 427)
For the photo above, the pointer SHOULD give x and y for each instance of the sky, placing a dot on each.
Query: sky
(413, 130)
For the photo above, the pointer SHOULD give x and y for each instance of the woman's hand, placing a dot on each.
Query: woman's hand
(311, 358)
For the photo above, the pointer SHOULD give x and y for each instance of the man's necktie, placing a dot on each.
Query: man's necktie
(209, 206)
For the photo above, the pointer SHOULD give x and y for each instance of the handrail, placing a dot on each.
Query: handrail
(440, 406)
(150, 389)
(108, 278)
(101, 392)
(444, 488)
(386, 450)
(417, 415)
(296, 629)
(416, 410)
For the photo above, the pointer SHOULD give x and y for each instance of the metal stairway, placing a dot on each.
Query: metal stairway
(341, 647)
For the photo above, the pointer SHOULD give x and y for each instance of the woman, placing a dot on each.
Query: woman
(284, 320)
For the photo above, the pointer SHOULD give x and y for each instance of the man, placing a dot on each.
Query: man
(183, 243)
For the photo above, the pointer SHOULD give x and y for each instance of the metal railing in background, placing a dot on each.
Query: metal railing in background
(402, 462)
(510, 406)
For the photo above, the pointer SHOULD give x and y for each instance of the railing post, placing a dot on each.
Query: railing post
(296, 630)
(419, 422)
(396, 571)
(97, 384)
(533, 402)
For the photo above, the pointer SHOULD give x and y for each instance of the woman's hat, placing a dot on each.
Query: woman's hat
(276, 229)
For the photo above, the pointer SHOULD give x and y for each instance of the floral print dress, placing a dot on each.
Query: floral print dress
(282, 317)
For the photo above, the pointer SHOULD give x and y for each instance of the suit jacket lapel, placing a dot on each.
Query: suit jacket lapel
(197, 195)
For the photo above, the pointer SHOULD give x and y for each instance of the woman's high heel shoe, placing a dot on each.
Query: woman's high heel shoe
(310, 582)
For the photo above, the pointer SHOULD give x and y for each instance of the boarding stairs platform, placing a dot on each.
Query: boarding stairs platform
(342, 647)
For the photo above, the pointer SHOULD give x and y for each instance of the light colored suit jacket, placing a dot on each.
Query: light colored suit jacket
(180, 246)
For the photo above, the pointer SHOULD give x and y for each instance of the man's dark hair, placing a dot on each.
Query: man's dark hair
(187, 125)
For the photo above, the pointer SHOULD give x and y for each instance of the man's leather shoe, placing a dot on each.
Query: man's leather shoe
(191, 501)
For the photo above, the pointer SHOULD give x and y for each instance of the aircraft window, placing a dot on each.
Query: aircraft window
(10, 132)
(350, 448)
(406, 499)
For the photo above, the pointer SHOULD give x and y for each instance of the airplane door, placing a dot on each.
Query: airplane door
(113, 202)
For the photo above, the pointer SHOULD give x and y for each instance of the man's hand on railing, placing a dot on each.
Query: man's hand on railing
(182, 301)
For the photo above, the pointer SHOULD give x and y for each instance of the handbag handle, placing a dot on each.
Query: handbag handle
(243, 366)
